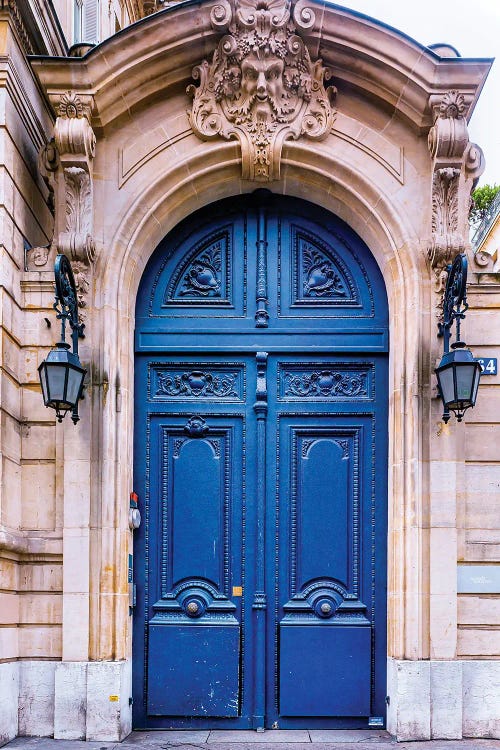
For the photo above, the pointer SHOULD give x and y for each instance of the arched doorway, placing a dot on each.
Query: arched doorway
(261, 465)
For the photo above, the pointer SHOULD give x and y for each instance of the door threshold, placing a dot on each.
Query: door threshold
(226, 737)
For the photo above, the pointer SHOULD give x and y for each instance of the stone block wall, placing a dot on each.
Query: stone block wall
(30, 526)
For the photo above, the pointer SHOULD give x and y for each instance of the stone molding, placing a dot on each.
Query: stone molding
(19, 25)
(261, 85)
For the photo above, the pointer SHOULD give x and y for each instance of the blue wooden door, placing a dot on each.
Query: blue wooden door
(260, 465)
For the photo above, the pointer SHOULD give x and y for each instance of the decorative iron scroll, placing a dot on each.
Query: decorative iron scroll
(261, 86)
(197, 384)
(325, 383)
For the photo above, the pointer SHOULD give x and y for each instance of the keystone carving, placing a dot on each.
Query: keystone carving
(457, 165)
(261, 85)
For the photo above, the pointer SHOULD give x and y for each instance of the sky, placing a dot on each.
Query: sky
(473, 28)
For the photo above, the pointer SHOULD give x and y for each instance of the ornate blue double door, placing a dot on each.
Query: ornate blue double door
(260, 465)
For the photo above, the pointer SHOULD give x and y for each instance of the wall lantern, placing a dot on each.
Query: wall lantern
(61, 374)
(458, 372)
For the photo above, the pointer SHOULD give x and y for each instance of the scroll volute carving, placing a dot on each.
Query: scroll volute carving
(261, 85)
(457, 165)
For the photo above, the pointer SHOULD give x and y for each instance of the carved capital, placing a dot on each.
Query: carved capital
(261, 85)
(449, 137)
(73, 133)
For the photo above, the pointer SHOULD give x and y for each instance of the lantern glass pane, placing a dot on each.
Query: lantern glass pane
(477, 376)
(465, 381)
(56, 376)
(447, 385)
(74, 382)
(43, 382)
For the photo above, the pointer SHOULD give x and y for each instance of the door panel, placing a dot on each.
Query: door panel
(260, 463)
(194, 549)
(332, 677)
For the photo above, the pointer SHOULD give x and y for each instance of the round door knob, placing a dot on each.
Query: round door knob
(192, 608)
(325, 607)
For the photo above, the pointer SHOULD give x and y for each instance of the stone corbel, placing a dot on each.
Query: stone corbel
(74, 142)
(457, 165)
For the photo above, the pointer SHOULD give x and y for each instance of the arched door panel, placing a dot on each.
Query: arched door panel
(261, 463)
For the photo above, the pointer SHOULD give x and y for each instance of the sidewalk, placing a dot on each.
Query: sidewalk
(247, 740)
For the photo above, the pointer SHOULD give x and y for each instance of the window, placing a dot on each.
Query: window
(77, 21)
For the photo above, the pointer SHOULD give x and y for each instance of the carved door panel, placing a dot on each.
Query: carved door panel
(260, 464)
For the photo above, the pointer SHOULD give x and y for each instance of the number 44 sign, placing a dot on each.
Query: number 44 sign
(488, 365)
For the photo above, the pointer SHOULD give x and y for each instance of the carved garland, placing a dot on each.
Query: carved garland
(261, 86)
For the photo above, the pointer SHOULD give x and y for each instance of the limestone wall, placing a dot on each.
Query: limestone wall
(65, 632)
(30, 525)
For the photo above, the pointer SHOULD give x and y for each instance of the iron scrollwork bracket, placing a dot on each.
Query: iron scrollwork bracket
(66, 308)
(455, 299)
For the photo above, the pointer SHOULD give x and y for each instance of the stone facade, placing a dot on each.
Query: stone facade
(101, 157)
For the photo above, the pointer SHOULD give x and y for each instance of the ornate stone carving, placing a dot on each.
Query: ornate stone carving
(446, 238)
(449, 137)
(66, 164)
(261, 86)
(37, 258)
(82, 283)
(76, 241)
(457, 165)
(73, 133)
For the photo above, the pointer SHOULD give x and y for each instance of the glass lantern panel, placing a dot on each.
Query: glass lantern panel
(75, 378)
(465, 381)
(43, 383)
(57, 380)
(447, 385)
(477, 376)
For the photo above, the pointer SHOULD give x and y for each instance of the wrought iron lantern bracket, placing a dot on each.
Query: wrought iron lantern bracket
(458, 372)
(61, 374)
(66, 301)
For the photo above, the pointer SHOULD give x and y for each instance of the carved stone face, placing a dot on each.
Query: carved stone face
(262, 78)
(263, 89)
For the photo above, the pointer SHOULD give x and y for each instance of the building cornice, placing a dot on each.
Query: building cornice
(159, 52)
(37, 26)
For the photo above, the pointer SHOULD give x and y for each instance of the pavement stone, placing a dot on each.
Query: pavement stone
(247, 740)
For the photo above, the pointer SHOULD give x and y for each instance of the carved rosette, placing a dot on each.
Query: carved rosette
(457, 165)
(261, 86)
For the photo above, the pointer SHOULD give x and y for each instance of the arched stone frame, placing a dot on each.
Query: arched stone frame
(375, 217)
(393, 217)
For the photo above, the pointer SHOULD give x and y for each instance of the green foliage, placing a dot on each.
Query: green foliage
(482, 198)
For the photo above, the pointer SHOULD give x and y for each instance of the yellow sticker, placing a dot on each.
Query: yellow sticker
(114, 698)
(237, 591)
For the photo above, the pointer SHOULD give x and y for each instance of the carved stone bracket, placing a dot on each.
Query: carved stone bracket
(261, 85)
(66, 163)
(457, 165)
